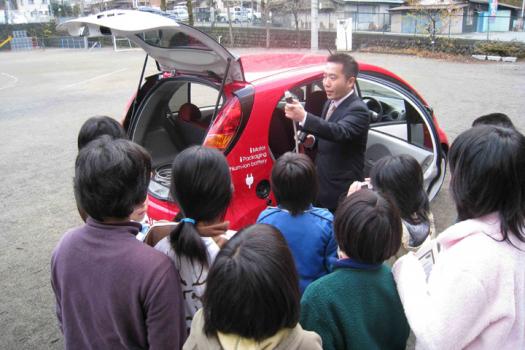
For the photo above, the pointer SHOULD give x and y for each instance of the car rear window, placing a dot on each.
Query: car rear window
(170, 38)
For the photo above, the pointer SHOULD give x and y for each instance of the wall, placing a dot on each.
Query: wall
(286, 38)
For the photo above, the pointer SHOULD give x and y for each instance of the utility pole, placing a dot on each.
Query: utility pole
(314, 26)
(6, 10)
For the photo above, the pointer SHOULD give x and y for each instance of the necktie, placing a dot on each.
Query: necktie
(331, 110)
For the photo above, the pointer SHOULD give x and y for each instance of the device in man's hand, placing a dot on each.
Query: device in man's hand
(301, 136)
(288, 97)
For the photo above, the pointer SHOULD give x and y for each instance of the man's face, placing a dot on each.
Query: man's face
(335, 83)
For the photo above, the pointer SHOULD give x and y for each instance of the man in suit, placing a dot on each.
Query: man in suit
(340, 133)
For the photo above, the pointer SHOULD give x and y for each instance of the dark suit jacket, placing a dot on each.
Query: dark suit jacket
(341, 145)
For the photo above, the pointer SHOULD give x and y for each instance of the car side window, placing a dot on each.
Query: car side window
(394, 113)
(179, 97)
(200, 95)
(203, 96)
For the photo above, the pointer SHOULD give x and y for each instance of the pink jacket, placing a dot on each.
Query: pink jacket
(475, 296)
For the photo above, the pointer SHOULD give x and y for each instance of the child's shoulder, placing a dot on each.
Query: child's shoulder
(269, 211)
(322, 213)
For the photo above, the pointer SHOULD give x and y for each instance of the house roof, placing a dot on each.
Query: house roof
(430, 7)
(445, 6)
(375, 1)
(485, 2)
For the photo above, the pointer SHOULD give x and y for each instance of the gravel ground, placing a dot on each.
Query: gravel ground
(45, 96)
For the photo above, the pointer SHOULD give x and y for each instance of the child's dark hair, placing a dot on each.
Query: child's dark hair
(201, 186)
(487, 165)
(368, 227)
(253, 287)
(401, 178)
(294, 182)
(98, 126)
(111, 177)
(495, 119)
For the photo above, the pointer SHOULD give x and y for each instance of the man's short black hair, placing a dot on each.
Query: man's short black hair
(111, 177)
(98, 126)
(294, 182)
(368, 227)
(496, 119)
(350, 66)
(252, 288)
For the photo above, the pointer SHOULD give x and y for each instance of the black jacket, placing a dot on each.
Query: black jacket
(341, 145)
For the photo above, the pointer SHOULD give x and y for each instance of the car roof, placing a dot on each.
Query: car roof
(264, 68)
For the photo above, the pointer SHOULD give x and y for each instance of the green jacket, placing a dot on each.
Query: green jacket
(355, 307)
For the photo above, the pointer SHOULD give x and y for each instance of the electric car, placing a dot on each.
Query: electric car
(204, 94)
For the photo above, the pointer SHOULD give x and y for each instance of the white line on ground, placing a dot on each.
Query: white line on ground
(12, 83)
(92, 79)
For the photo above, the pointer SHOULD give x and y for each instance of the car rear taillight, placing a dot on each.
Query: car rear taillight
(225, 126)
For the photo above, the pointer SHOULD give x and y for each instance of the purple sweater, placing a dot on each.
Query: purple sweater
(114, 292)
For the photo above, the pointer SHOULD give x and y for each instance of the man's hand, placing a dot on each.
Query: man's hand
(358, 185)
(309, 141)
(295, 111)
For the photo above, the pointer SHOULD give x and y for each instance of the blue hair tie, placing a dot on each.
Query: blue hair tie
(191, 221)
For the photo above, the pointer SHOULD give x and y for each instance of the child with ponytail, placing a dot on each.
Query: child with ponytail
(201, 186)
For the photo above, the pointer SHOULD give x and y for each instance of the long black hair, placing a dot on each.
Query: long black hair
(487, 165)
(201, 186)
(401, 178)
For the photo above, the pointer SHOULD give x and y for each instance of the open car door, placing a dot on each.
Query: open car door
(175, 46)
(401, 125)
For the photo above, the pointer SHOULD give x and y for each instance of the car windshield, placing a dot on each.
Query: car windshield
(169, 38)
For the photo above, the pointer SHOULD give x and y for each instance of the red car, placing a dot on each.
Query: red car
(204, 94)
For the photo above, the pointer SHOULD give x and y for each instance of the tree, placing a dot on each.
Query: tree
(266, 6)
(228, 13)
(163, 6)
(62, 9)
(189, 5)
(434, 17)
(294, 6)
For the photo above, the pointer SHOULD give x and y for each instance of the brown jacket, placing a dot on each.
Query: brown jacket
(297, 339)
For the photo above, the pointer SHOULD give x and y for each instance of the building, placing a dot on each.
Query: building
(366, 15)
(453, 17)
(25, 11)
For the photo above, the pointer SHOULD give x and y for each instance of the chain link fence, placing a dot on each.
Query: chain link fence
(471, 25)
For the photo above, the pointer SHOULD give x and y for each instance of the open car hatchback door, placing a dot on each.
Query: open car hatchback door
(175, 46)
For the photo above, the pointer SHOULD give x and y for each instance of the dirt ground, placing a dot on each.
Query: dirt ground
(46, 95)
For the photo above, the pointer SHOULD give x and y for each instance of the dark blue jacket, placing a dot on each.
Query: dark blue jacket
(341, 146)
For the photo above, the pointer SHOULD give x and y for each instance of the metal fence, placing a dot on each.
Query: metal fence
(471, 25)
(68, 42)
